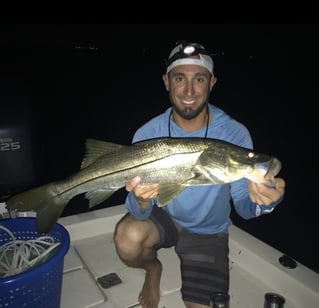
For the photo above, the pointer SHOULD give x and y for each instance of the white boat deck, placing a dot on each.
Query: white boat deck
(254, 270)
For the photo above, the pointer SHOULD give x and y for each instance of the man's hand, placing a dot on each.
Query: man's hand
(265, 195)
(143, 193)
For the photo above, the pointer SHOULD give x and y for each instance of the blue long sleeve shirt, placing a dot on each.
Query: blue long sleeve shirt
(202, 209)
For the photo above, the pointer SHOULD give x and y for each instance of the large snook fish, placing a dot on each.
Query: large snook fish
(173, 163)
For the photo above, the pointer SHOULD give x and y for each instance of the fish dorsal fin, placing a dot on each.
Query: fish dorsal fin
(95, 149)
(168, 192)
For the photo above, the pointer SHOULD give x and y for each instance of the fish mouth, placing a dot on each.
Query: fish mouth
(274, 168)
(265, 172)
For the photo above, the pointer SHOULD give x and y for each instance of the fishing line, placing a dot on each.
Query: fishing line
(17, 256)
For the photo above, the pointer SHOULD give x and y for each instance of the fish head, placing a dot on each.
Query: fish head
(265, 169)
(224, 163)
(230, 163)
(235, 163)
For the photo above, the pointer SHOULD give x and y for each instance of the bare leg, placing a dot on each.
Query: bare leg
(149, 296)
(134, 242)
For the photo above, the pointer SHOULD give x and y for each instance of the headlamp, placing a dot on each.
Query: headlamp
(184, 53)
(184, 50)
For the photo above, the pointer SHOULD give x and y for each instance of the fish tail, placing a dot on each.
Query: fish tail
(45, 200)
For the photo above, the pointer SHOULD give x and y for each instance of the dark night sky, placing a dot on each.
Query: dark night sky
(104, 80)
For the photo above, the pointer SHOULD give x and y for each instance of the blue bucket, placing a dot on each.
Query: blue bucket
(40, 286)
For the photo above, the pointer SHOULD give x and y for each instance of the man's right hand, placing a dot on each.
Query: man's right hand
(143, 193)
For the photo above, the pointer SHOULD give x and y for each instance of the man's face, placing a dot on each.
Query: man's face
(189, 88)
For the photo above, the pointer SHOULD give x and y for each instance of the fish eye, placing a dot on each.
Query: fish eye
(251, 154)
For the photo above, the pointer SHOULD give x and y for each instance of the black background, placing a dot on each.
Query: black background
(97, 80)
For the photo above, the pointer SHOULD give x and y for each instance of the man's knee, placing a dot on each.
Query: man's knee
(129, 238)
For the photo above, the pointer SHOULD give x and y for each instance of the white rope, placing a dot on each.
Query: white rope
(17, 256)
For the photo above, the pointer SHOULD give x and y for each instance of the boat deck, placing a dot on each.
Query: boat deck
(94, 276)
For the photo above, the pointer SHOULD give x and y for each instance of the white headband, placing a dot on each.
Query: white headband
(204, 61)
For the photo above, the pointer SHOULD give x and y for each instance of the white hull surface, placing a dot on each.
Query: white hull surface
(254, 270)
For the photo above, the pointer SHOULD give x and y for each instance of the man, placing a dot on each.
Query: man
(196, 222)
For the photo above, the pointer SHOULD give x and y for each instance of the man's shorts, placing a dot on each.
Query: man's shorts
(204, 258)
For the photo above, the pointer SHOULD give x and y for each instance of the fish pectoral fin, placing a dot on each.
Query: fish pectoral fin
(168, 192)
(96, 197)
(207, 175)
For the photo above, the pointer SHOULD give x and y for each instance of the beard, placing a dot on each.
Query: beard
(188, 112)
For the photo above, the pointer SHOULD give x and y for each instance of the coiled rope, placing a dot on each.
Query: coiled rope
(17, 256)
